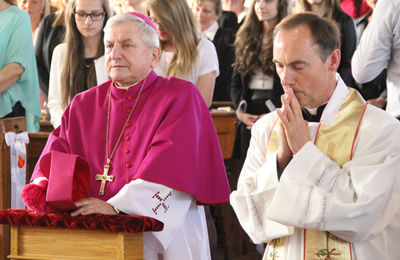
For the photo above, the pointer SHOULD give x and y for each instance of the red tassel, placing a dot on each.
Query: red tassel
(34, 197)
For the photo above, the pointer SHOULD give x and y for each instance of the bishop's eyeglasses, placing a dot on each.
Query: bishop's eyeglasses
(95, 16)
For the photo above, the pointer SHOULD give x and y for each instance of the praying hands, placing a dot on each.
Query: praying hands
(293, 131)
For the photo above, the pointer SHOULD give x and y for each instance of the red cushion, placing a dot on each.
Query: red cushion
(114, 223)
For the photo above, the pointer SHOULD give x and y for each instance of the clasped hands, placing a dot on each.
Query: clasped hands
(293, 129)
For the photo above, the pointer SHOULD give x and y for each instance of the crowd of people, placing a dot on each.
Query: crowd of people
(223, 47)
(250, 53)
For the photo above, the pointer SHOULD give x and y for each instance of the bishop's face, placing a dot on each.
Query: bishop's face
(128, 59)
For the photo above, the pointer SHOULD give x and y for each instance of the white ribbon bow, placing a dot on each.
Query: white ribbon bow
(18, 166)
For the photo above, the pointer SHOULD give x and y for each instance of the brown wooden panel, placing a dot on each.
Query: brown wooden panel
(58, 243)
(225, 124)
(37, 142)
(16, 124)
(45, 126)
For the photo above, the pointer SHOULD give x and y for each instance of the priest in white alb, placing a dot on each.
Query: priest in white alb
(328, 187)
(150, 144)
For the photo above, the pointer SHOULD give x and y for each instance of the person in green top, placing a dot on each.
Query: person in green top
(19, 84)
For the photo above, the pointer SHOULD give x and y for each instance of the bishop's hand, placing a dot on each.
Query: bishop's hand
(92, 205)
(292, 121)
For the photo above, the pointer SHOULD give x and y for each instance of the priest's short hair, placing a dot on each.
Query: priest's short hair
(326, 33)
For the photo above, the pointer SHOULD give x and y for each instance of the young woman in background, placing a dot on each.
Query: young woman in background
(185, 54)
(78, 63)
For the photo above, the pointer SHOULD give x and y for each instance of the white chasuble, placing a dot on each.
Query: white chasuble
(354, 200)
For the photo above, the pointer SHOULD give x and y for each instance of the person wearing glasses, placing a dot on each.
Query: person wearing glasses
(78, 63)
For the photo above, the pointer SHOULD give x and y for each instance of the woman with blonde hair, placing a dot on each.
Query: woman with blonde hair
(331, 10)
(37, 9)
(184, 54)
(78, 63)
(255, 87)
(19, 86)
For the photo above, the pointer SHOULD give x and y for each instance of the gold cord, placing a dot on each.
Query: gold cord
(109, 157)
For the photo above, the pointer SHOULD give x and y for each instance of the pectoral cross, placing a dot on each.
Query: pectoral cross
(103, 178)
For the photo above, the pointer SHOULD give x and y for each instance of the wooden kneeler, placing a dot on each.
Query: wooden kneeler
(58, 243)
(60, 236)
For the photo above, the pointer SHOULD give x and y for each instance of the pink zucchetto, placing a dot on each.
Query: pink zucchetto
(144, 18)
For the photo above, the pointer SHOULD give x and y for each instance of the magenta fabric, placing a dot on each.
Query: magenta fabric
(144, 18)
(170, 139)
(68, 182)
(349, 8)
(114, 223)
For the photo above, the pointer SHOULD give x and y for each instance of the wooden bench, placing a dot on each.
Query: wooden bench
(34, 149)
(59, 236)
(225, 124)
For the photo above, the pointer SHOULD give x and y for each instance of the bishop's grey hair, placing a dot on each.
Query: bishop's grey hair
(149, 35)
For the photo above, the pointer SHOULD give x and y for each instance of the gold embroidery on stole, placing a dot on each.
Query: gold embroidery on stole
(336, 142)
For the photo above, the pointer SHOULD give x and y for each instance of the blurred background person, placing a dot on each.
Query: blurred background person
(355, 8)
(117, 6)
(331, 9)
(51, 33)
(123, 6)
(138, 6)
(373, 91)
(378, 54)
(363, 20)
(19, 85)
(37, 9)
(207, 13)
(185, 54)
(78, 63)
(254, 79)
(237, 7)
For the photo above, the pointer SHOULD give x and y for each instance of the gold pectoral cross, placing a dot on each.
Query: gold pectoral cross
(103, 178)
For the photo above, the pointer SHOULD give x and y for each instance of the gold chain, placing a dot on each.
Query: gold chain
(109, 157)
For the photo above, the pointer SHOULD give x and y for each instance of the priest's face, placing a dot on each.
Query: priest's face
(128, 59)
(300, 67)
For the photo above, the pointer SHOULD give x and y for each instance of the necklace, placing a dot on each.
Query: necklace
(104, 177)
(88, 62)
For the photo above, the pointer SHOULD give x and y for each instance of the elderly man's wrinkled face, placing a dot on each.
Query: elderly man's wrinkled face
(299, 66)
(128, 59)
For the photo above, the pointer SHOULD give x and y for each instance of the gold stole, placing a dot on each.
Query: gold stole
(337, 143)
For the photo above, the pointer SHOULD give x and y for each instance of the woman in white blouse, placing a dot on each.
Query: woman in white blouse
(78, 63)
(184, 53)
(255, 86)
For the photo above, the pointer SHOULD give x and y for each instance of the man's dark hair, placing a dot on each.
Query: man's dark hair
(326, 33)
